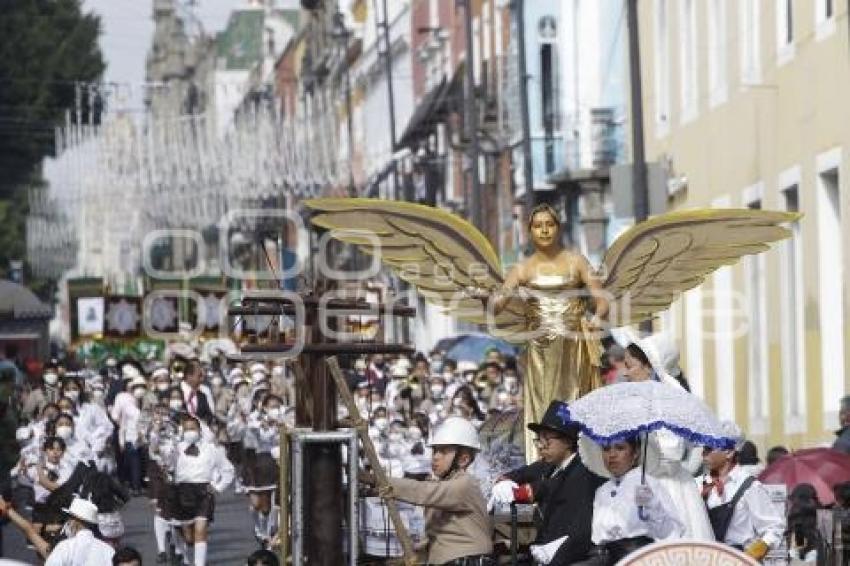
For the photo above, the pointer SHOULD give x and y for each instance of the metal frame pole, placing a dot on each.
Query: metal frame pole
(472, 118)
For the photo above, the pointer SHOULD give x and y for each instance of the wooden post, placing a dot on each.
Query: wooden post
(383, 483)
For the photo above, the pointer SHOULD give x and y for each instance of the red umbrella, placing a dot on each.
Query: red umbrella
(821, 467)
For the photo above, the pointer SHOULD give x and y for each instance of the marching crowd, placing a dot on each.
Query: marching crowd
(180, 432)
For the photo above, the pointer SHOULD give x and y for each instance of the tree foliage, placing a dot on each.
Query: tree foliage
(47, 49)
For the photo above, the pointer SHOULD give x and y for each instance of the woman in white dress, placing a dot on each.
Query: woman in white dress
(652, 358)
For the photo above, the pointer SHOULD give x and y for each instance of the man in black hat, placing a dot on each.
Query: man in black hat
(561, 486)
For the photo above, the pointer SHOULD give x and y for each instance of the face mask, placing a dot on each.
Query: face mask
(162, 387)
(50, 378)
(175, 405)
(64, 432)
(274, 414)
(73, 395)
(510, 384)
(139, 393)
(381, 423)
(191, 436)
(97, 394)
(395, 450)
(436, 390)
(217, 382)
(394, 437)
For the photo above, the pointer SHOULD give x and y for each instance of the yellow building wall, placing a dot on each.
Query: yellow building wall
(796, 111)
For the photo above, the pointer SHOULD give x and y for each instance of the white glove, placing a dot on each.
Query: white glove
(502, 494)
(544, 553)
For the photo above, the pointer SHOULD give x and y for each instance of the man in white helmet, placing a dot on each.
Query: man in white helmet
(456, 520)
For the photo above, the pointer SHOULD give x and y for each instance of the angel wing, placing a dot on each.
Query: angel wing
(438, 252)
(652, 263)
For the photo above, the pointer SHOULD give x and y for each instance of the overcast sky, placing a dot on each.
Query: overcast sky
(128, 29)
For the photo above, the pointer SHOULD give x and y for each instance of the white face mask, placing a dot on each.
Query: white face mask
(395, 437)
(274, 413)
(381, 423)
(175, 405)
(50, 378)
(73, 395)
(64, 432)
(437, 390)
(139, 392)
(191, 436)
(162, 386)
(98, 394)
(217, 382)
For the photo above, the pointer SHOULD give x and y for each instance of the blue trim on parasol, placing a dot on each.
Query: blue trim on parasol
(719, 443)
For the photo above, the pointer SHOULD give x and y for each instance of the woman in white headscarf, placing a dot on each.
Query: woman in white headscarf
(656, 358)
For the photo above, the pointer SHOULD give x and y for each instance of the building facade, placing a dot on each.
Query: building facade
(745, 104)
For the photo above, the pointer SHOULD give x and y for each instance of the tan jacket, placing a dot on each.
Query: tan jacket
(456, 518)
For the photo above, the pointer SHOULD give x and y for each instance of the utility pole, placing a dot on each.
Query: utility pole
(472, 118)
(641, 188)
(527, 163)
(384, 28)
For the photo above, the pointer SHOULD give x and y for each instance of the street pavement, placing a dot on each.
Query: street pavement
(231, 535)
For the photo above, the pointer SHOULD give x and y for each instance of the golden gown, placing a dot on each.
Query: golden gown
(561, 359)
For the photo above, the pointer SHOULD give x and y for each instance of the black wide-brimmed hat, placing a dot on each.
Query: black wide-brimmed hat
(556, 419)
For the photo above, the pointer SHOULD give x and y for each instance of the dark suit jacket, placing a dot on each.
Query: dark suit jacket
(564, 506)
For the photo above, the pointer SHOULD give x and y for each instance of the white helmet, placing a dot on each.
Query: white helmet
(456, 431)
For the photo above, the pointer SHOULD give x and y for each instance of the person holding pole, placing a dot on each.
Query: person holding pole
(457, 523)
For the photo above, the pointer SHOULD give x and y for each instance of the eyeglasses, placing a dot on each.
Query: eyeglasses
(542, 441)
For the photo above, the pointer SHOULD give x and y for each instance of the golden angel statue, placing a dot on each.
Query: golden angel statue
(553, 301)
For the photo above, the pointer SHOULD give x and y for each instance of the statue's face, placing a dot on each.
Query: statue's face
(544, 229)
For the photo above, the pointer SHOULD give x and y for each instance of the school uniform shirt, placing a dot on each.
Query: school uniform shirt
(252, 423)
(125, 412)
(78, 451)
(93, 424)
(82, 549)
(754, 516)
(615, 512)
(456, 519)
(210, 465)
(235, 423)
(63, 471)
(267, 434)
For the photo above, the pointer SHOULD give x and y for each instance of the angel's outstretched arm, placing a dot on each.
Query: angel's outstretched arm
(501, 296)
(594, 285)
